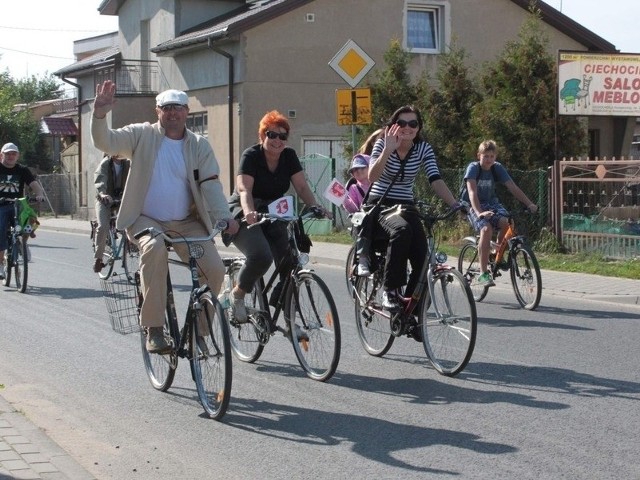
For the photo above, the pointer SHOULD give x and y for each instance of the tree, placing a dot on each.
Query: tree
(17, 125)
(447, 109)
(519, 104)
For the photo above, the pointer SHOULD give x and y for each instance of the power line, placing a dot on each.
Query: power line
(52, 29)
(36, 54)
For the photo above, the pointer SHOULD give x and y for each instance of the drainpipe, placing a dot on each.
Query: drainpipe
(229, 57)
(79, 119)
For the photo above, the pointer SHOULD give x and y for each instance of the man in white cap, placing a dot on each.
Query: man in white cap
(173, 185)
(13, 178)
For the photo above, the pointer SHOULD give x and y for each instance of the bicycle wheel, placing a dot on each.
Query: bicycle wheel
(161, 368)
(469, 266)
(211, 358)
(130, 260)
(247, 343)
(108, 256)
(312, 317)
(8, 265)
(372, 322)
(525, 277)
(449, 322)
(20, 264)
(349, 270)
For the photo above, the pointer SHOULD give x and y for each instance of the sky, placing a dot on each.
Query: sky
(36, 36)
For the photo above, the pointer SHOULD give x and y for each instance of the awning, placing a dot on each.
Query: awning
(59, 126)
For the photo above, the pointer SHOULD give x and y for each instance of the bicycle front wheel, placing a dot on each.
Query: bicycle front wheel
(314, 325)
(8, 265)
(161, 368)
(130, 260)
(211, 358)
(449, 322)
(108, 258)
(349, 270)
(372, 322)
(525, 277)
(247, 343)
(469, 266)
(20, 264)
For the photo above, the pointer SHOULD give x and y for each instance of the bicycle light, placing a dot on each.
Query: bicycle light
(196, 250)
(303, 259)
(441, 257)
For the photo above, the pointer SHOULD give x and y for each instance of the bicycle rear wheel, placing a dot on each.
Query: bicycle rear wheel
(372, 322)
(449, 322)
(314, 325)
(211, 358)
(525, 277)
(161, 368)
(20, 264)
(469, 266)
(130, 260)
(108, 256)
(247, 343)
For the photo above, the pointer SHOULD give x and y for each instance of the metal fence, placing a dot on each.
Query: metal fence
(62, 195)
(596, 206)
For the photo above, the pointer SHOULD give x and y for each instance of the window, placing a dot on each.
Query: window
(198, 123)
(426, 26)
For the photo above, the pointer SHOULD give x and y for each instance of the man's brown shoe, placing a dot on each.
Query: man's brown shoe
(156, 341)
(98, 265)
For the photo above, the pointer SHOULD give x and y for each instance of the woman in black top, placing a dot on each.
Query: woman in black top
(266, 171)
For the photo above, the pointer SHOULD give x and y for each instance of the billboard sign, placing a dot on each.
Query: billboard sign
(599, 84)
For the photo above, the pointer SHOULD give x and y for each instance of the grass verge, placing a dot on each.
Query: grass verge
(562, 262)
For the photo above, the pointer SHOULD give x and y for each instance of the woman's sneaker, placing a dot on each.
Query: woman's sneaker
(485, 280)
(239, 310)
(390, 300)
(363, 267)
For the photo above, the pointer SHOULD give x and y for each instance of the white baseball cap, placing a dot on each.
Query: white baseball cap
(172, 97)
(10, 147)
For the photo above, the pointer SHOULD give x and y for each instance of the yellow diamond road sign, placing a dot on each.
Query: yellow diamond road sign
(352, 63)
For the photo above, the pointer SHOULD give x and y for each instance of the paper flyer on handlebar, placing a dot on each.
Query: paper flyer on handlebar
(335, 192)
(282, 207)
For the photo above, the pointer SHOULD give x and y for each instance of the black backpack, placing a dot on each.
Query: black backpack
(464, 195)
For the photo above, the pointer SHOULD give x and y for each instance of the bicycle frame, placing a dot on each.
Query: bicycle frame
(203, 338)
(514, 255)
(444, 321)
(311, 317)
(16, 249)
(434, 261)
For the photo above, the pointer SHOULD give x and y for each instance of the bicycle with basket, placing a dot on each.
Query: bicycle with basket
(203, 338)
(309, 311)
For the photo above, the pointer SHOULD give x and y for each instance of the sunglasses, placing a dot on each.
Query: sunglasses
(173, 106)
(404, 123)
(274, 135)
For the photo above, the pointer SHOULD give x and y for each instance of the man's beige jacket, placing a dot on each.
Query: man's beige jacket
(141, 142)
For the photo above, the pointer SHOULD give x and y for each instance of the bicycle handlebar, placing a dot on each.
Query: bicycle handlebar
(220, 226)
(14, 200)
(312, 212)
(442, 216)
(511, 215)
